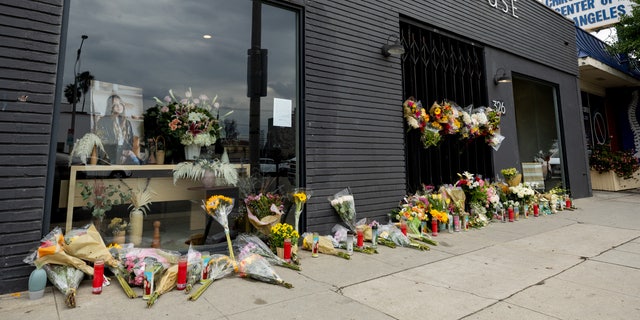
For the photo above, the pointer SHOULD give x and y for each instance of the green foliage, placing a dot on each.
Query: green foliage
(628, 32)
(101, 198)
(602, 159)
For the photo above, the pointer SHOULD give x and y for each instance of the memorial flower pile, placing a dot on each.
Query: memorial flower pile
(447, 118)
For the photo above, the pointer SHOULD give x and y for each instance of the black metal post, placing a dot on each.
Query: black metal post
(253, 90)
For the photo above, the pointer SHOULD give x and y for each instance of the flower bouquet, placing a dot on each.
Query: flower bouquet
(189, 119)
(64, 271)
(66, 279)
(219, 207)
(135, 261)
(86, 243)
(264, 210)
(300, 197)
(438, 207)
(418, 118)
(391, 236)
(218, 266)
(51, 251)
(413, 209)
(325, 245)
(166, 284)
(246, 244)
(345, 206)
(256, 267)
(280, 232)
(511, 176)
(194, 268)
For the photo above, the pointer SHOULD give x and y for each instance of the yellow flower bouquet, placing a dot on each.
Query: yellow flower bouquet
(219, 207)
(280, 232)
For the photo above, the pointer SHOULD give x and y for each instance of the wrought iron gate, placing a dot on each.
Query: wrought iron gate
(436, 67)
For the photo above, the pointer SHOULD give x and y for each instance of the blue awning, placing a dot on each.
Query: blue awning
(590, 46)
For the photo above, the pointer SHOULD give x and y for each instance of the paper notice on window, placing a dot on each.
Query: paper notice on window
(281, 112)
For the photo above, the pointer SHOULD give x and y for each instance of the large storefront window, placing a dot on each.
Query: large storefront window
(537, 124)
(140, 51)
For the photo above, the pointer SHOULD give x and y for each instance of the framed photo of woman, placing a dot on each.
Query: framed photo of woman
(117, 119)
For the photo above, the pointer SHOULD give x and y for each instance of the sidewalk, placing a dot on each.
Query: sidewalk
(582, 264)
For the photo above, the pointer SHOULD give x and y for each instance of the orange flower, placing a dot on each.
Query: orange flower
(174, 124)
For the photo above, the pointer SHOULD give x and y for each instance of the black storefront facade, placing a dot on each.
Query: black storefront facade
(347, 126)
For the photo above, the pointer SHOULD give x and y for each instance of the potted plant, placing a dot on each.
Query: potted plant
(140, 200)
(279, 233)
(118, 228)
(101, 198)
(87, 148)
(613, 170)
(210, 172)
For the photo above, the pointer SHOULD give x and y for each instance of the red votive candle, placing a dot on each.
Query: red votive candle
(511, 214)
(182, 273)
(403, 227)
(360, 242)
(287, 249)
(434, 227)
(536, 210)
(98, 276)
(568, 203)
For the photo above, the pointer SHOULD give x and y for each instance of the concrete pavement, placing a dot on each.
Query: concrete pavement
(582, 264)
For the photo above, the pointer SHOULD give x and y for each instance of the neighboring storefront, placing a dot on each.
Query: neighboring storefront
(330, 116)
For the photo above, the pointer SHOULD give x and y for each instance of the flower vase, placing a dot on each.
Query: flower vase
(93, 159)
(119, 237)
(192, 151)
(209, 180)
(97, 222)
(37, 283)
(136, 220)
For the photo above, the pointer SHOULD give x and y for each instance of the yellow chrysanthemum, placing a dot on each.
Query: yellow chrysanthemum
(437, 111)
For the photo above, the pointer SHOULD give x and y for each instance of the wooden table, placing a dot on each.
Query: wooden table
(162, 184)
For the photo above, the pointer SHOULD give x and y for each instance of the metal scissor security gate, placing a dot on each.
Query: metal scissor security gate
(436, 67)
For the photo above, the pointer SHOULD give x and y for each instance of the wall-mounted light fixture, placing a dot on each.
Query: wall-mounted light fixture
(501, 77)
(395, 48)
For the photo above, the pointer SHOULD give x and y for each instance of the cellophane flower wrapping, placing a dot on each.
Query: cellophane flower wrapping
(86, 243)
(219, 207)
(344, 204)
(219, 266)
(194, 267)
(51, 251)
(264, 210)
(246, 244)
(66, 279)
(256, 267)
(300, 197)
(392, 233)
(134, 262)
(166, 283)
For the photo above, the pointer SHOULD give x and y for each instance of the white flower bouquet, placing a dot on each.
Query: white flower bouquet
(344, 204)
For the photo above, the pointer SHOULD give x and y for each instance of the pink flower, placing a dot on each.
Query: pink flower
(164, 109)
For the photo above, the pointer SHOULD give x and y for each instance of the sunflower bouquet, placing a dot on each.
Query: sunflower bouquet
(219, 207)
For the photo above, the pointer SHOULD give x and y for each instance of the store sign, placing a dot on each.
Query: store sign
(498, 105)
(591, 14)
(506, 6)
